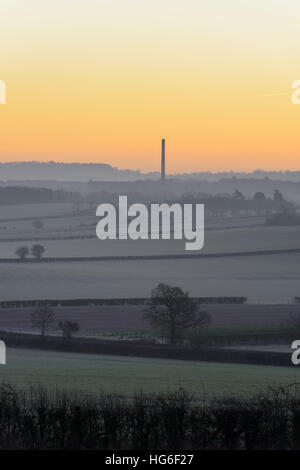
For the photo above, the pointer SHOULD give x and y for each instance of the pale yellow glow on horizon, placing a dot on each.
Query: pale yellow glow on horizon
(105, 80)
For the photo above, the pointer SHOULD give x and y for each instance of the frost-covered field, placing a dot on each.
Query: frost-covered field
(16, 221)
(265, 278)
(35, 210)
(57, 227)
(216, 241)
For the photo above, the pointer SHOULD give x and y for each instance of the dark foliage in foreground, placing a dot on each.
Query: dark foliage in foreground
(40, 420)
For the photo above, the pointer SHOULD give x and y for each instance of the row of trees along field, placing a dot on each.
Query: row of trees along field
(36, 251)
(235, 204)
(170, 311)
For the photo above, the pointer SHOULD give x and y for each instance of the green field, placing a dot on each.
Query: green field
(92, 373)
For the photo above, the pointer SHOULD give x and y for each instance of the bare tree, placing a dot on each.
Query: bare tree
(171, 310)
(68, 328)
(22, 252)
(42, 318)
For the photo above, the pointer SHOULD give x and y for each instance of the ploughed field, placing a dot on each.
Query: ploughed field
(99, 320)
(90, 373)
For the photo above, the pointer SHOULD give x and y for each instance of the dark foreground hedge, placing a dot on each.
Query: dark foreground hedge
(144, 349)
(40, 420)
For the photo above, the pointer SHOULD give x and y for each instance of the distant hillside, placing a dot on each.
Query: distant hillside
(56, 171)
(257, 175)
(141, 190)
(97, 172)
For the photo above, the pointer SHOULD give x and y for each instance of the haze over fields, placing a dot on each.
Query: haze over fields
(69, 267)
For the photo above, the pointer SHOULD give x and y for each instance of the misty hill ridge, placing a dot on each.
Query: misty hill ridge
(84, 172)
(60, 171)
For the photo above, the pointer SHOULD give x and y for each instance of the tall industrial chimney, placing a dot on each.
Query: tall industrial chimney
(163, 162)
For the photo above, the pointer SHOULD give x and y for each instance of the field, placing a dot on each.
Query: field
(261, 278)
(93, 373)
(120, 320)
(216, 241)
(267, 278)
(15, 211)
(62, 220)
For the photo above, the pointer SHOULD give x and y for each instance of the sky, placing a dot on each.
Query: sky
(105, 80)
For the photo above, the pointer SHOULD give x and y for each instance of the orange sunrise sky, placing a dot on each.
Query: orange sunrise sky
(105, 80)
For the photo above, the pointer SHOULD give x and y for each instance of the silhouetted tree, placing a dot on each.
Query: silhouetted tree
(22, 252)
(259, 197)
(260, 202)
(37, 251)
(238, 195)
(277, 196)
(42, 318)
(171, 310)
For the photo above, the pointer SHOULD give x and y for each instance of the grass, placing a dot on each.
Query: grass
(93, 373)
